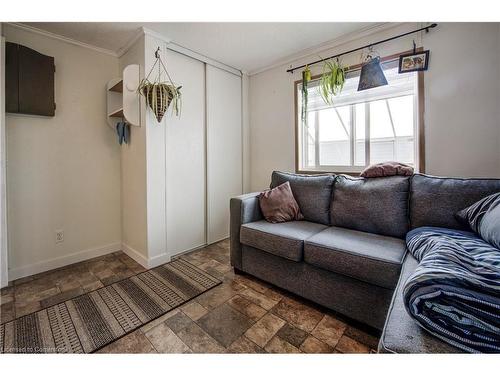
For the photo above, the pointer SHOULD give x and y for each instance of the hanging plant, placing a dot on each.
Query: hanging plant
(159, 94)
(332, 81)
(306, 77)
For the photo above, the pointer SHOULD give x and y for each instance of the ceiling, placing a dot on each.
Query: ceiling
(246, 46)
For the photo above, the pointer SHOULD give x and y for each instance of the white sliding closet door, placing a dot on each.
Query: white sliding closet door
(185, 157)
(224, 149)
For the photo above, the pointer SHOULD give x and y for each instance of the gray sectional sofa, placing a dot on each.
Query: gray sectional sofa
(349, 253)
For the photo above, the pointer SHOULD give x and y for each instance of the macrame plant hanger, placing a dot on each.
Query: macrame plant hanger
(158, 94)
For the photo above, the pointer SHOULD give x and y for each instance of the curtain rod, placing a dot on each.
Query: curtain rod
(431, 26)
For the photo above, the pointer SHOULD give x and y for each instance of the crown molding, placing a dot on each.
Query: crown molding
(61, 38)
(124, 49)
(207, 60)
(177, 48)
(334, 43)
(156, 35)
(337, 42)
(142, 31)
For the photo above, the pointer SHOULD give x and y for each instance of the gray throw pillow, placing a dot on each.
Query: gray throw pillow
(483, 217)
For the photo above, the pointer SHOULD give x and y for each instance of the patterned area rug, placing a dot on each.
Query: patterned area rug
(93, 320)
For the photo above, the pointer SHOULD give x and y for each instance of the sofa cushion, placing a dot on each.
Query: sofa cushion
(282, 239)
(365, 256)
(435, 200)
(374, 205)
(313, 194)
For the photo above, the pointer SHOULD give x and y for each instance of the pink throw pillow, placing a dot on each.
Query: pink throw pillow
(278, 205)
(388, 168)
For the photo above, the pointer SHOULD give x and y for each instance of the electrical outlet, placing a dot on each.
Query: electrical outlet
(59, 236)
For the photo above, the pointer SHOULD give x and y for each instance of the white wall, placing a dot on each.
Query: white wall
(462, 99)
(133, 174)
(245, 123)
(462, 96)
(155, 168)
(63, 172)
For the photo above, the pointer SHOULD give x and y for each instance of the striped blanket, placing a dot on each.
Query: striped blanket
(455, 291)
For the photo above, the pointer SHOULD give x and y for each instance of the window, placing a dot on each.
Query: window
(361, 127)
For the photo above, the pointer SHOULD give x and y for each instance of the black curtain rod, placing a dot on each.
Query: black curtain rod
(431, 26)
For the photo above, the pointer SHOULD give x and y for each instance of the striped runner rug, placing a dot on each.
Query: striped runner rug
(90, 321)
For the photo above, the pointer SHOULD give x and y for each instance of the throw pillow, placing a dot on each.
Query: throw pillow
(278, 204)
(388, 168)
(483, 217)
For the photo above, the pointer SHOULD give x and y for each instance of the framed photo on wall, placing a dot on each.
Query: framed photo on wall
(414, 62)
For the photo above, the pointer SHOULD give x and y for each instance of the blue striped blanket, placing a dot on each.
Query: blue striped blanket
(454, 292)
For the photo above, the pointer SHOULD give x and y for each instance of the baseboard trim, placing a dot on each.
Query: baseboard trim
(51, 264)
(147, 263)
(33, 269)
(217, 240)
(135, 255)
(158, 260)
(197, 247)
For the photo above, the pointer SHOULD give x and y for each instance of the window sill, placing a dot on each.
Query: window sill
(318, 172)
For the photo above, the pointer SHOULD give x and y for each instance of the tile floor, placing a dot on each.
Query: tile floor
(242, 315)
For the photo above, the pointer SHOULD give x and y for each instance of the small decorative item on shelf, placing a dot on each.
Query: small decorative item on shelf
(371, 75)
(306, 77)
(159, 94)
(332, 81)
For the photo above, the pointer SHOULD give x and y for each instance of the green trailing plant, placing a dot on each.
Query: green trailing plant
(158, 93)
(159, 96)
(306, 77)
(332, 80)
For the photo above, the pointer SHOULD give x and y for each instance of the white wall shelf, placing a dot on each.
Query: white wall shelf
(118, 87)
(123, 100)
(116, 113)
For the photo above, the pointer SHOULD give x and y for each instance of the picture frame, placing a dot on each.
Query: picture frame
(414, 62)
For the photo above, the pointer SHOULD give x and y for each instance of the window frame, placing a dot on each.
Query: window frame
(419, 133)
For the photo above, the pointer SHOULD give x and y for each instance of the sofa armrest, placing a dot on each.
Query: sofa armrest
(243, 209)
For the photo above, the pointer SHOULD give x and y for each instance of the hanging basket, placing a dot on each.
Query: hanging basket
(159, 94)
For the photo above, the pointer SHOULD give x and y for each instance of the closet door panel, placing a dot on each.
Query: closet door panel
(224, 149)
(185, 157)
